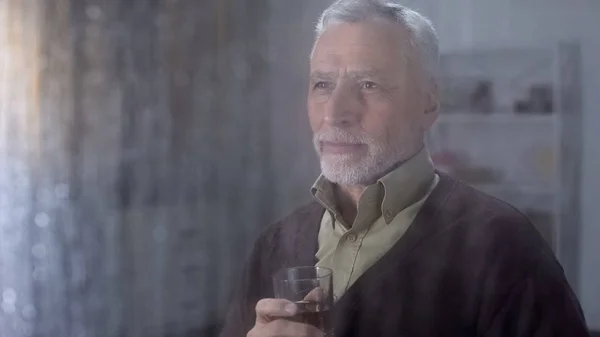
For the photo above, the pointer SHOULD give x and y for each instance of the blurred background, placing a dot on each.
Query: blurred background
(144, 143)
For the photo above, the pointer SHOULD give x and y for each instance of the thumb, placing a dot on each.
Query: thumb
(269, 309)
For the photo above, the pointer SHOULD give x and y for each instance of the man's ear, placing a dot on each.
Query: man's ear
(433, 103)
(432, 107)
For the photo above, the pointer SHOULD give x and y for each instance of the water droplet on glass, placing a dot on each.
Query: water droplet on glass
(9, 295)
(39, 251)
(93, 12)
(29, 312)
(8, 308)
(42, 220)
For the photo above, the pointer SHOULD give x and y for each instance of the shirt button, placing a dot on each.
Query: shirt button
(351, 237)
(388, 214)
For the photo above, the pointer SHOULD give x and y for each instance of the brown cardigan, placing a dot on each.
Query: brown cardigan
(469, 265)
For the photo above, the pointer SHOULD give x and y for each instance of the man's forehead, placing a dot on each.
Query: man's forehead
(333, 73)
(358, 54)
(360, 50)
(358, 66)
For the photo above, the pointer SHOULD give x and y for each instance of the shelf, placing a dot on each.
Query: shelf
(532, 151)
(497, 118)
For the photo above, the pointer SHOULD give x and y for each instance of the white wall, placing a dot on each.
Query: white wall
(460, 23)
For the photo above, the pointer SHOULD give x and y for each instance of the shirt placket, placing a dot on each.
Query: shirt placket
(345, 257)
(349, 245)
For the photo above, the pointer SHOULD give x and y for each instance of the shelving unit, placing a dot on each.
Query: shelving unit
(499, 118)
(492, 133)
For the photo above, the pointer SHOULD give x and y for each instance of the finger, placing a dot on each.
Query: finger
(315, 295)
(269, 309)
(286, 328)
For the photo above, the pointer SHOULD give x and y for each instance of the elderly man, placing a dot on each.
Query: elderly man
(413, 251)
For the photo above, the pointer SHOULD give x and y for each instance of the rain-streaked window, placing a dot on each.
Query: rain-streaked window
(144, 146)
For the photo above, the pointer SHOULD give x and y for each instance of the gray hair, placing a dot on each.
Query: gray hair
(423, 38)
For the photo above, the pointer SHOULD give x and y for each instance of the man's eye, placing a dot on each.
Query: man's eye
(323, 85)
(369, 85)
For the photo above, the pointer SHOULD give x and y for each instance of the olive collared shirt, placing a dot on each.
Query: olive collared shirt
(385, 211)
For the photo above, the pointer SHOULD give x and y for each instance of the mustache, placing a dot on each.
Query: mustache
(342, 136)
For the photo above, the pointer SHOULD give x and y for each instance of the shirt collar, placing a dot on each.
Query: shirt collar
(406, 184)
(402, 187)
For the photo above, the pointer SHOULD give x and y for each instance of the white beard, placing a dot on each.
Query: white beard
(355, 169)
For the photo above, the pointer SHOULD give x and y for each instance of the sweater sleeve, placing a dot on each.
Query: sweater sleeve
(241, 315)
(541, 304)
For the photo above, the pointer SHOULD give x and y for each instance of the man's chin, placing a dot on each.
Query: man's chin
(341, 163)
(344, 174)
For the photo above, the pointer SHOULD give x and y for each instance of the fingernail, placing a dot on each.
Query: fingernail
(291, 308)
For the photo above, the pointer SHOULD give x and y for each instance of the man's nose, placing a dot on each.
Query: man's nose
(342, 109)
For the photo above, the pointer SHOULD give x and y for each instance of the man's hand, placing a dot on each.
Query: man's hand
(273, 319)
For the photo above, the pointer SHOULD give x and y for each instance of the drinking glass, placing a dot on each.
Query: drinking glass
(311, 289)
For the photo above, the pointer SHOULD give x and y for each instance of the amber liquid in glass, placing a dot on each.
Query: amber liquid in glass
(315, 314)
